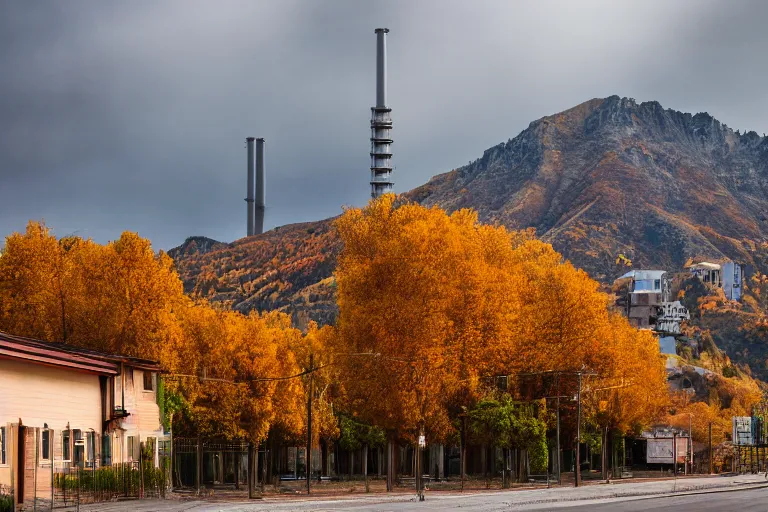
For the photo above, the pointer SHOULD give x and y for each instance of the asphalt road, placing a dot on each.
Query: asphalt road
(730, 501)
(723, 495)
(753, 500)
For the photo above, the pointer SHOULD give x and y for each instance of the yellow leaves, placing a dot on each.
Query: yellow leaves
(241, 351)
(122, 297)
(416, 286)
(623, 260)
(446, 301)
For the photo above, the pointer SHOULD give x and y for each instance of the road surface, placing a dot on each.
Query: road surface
(743, 493)
(737, 501)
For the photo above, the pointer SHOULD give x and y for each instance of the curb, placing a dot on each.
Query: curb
(647, 496)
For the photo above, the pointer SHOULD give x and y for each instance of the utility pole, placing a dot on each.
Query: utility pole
(674, 453)
(710, 447)
(690, 443)
(309, 420)
(557, 380)
(578, 434)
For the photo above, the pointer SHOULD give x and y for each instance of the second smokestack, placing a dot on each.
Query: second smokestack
(249, 190)
(259, 203)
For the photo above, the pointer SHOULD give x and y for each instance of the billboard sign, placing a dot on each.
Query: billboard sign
(659, 450)
(743, 434)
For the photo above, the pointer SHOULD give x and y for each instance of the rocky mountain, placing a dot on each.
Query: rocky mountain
(606, 178)
(611, 177)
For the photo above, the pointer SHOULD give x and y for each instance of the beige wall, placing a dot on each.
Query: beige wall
(39, 394)
(143, 420)
(42, 394)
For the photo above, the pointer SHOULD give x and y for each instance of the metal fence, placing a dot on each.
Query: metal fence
(210, 462)
(79, 485)
(750, 458)
(42, 479)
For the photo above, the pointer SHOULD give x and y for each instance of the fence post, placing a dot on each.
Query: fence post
(141, 470)
(34, 468)
(52, 452)
(198, 463)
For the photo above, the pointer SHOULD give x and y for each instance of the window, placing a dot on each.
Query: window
(164, 448)
(45, 445)
(2, 445)
(79, 446)
(148, 384)
(106, 450)
(657, 284)
(131, 447)
(90, 447)
(65, 437)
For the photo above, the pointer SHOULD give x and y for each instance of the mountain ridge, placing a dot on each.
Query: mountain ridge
(606, 178)
(598, 156)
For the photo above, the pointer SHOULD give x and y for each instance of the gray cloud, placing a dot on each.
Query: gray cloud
(132, 115)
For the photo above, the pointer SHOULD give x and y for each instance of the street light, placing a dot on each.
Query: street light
(690, 442)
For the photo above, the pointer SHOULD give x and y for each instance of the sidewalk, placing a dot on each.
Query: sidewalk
(446, 500)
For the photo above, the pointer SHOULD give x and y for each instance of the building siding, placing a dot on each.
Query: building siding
(41, 394)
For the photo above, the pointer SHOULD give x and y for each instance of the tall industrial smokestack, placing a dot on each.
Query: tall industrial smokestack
(260, 204)
(381, 124)
(249, 193)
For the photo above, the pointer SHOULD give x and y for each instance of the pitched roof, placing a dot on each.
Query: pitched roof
(643, 274)
(61, 354)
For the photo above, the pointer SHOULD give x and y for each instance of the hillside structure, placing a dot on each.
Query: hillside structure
(648, 304)
(726, 275)
(63, 408)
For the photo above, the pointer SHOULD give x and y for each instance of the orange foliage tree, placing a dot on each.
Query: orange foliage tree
(124, 298)
(440, 301)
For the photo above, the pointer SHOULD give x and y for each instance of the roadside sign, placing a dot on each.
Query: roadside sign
(742, 430)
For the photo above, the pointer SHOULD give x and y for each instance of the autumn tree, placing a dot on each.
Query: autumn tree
(225, 369)
(500, 422)
(33, 284)
(418, 292)
(439, 302)
(117, 297)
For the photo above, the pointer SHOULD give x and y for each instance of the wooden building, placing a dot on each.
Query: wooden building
(63, 407)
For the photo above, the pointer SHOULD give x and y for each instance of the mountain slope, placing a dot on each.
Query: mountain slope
(287, 269)
(604, 178)
(612, 177)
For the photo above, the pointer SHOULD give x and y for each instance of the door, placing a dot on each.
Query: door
(21, 463)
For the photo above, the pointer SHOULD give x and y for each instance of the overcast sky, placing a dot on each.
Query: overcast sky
(132, 115)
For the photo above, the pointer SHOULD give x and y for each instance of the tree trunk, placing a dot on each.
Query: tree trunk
(505, 468)
(390, 464)
(199, 464)
(522, 463)
(463, 452)
(253, 467)
(268, 449)
(323, 458)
